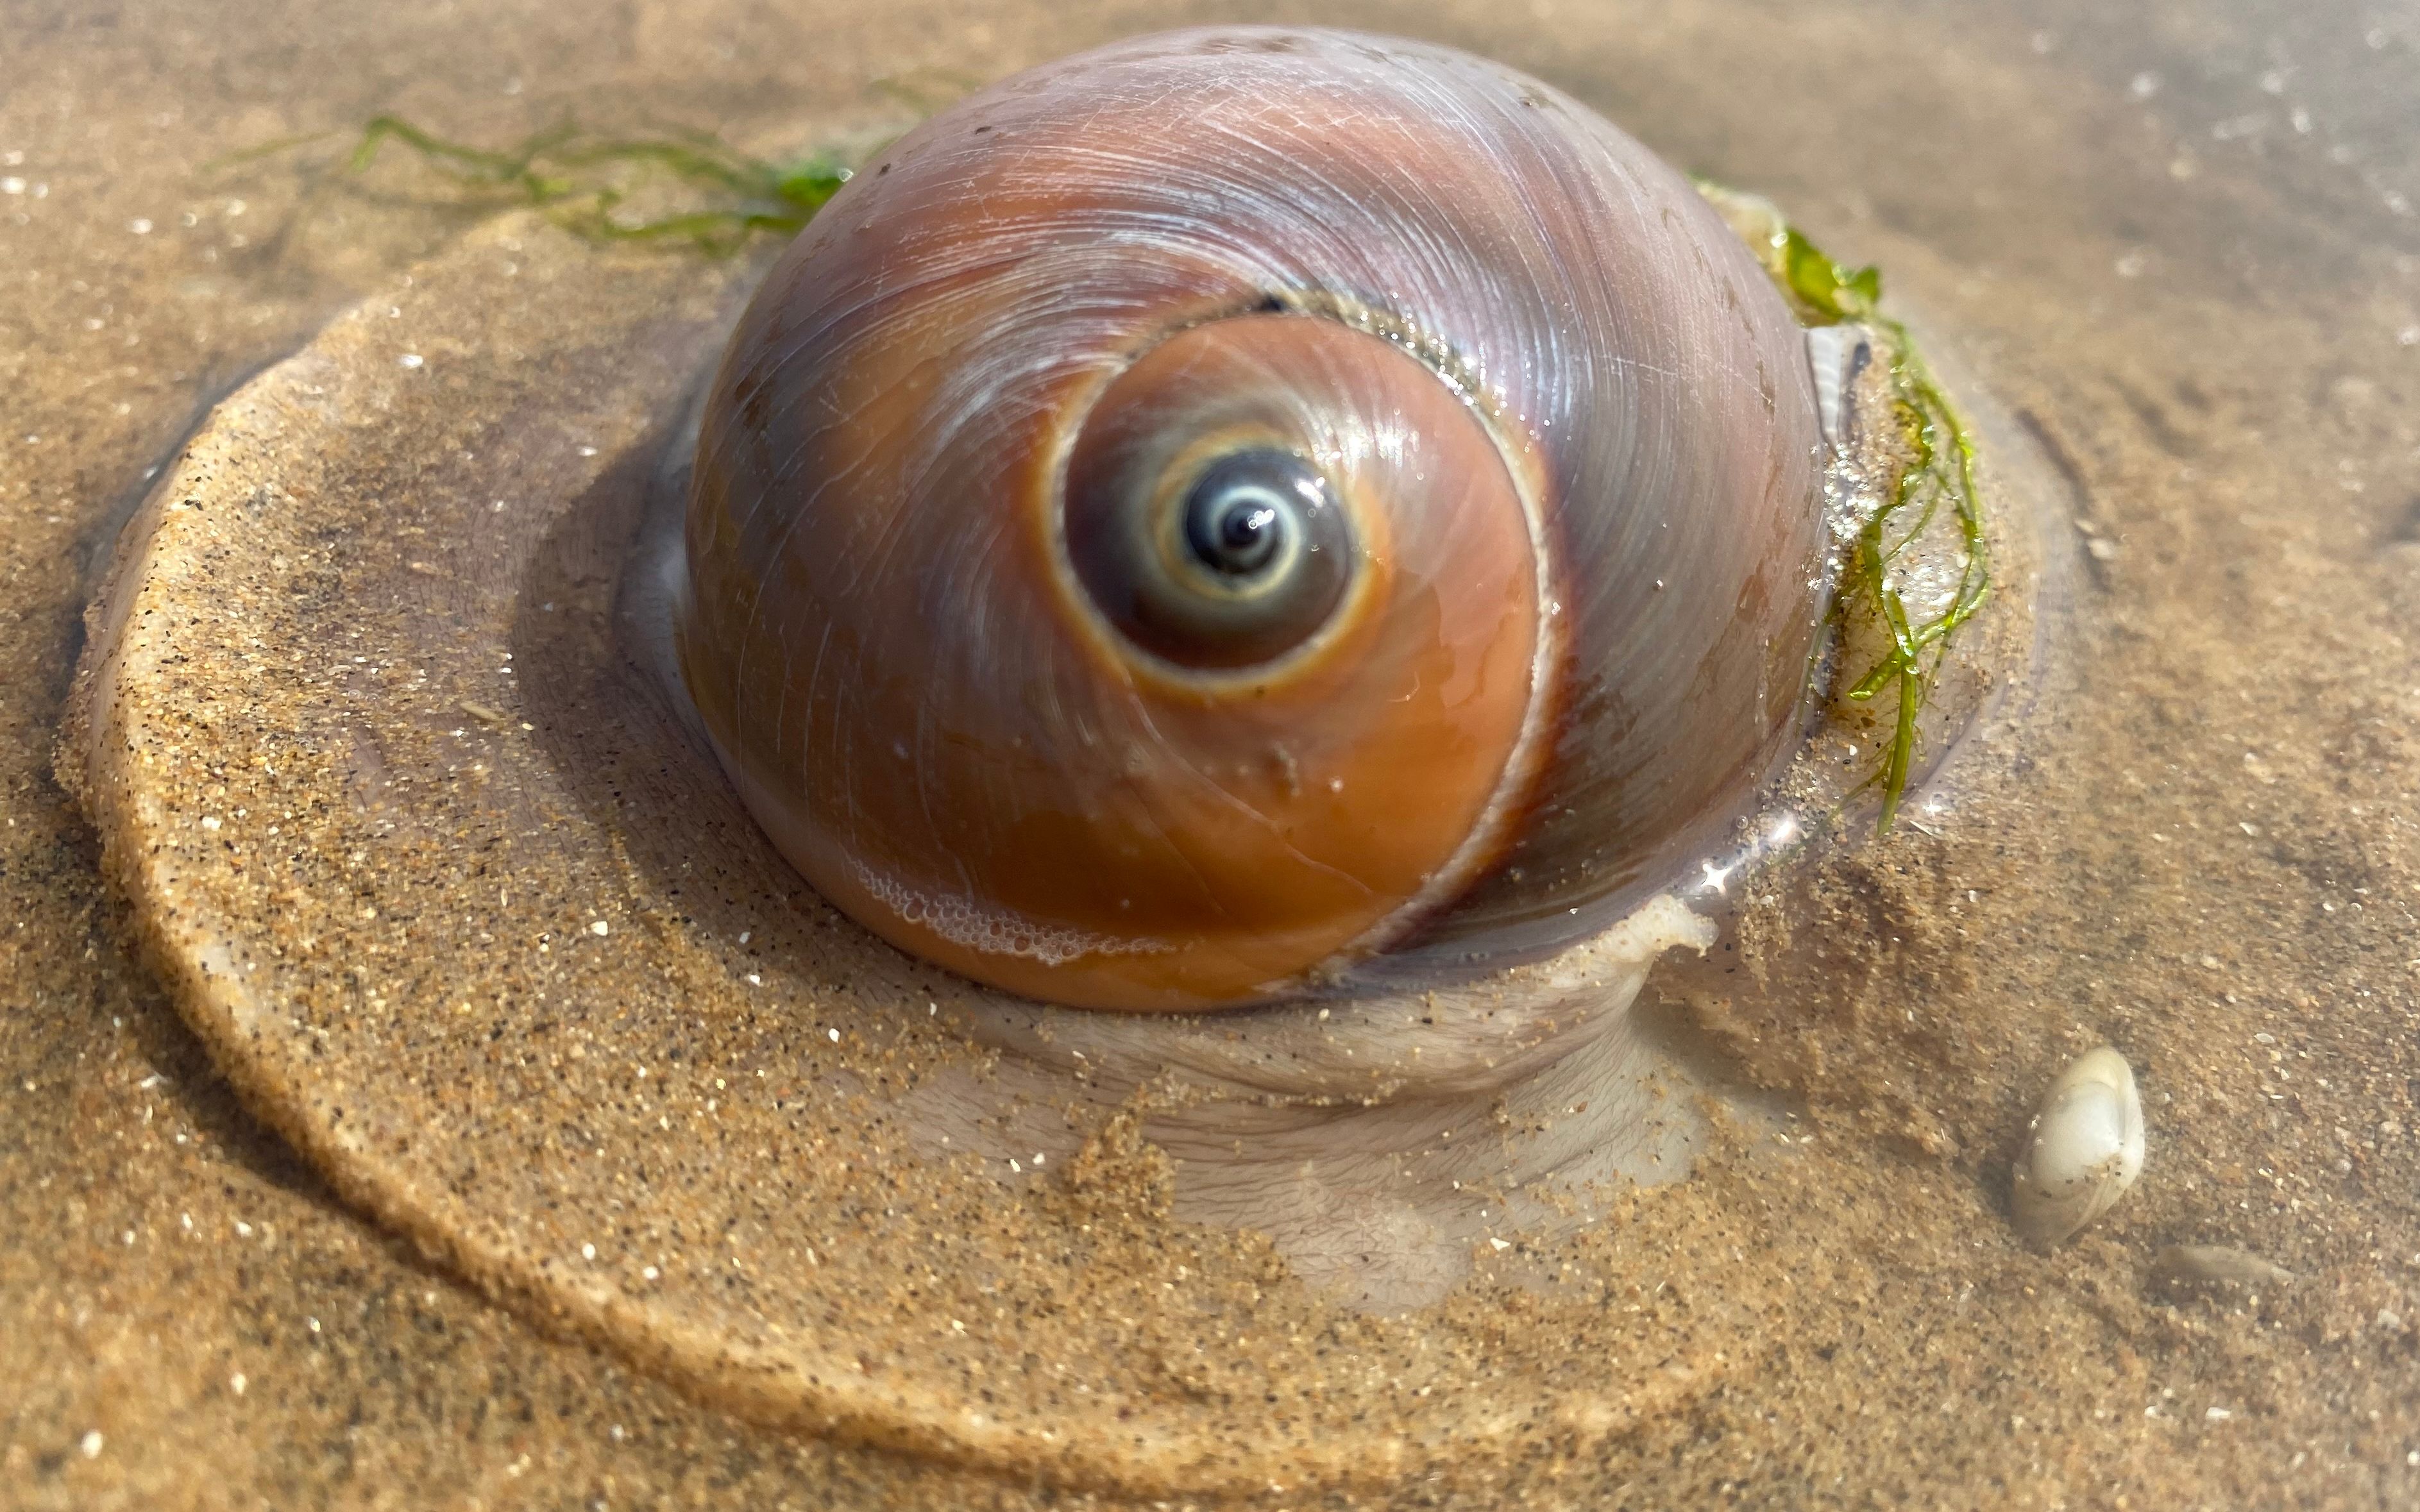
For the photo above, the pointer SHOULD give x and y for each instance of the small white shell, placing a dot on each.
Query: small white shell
(1835, 355)
(2083, 1150)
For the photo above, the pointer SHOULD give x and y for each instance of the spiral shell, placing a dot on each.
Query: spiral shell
(1242, 506)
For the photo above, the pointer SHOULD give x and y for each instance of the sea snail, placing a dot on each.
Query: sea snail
(1240, 508)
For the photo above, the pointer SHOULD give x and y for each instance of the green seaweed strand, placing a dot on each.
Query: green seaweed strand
(1942, 469)
(567, 172)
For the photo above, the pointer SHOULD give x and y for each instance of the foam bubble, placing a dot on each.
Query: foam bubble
(973, 925)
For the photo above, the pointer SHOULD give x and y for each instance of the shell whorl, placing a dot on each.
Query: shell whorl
(1562, 419)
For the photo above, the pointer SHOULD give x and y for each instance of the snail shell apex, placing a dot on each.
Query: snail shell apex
(1201, 514)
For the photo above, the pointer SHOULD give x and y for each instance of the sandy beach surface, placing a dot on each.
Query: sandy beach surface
(2175, 254)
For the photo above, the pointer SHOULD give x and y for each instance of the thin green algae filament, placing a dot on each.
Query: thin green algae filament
(1940, 471)
(579, 179)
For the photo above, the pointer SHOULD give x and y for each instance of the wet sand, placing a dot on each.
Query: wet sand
(2199, 847)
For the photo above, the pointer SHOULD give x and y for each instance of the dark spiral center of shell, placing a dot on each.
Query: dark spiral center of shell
(1233, 568)
(1245, 518)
